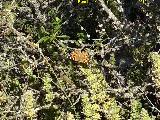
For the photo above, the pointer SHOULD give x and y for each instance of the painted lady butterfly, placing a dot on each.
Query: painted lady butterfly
(80, 56)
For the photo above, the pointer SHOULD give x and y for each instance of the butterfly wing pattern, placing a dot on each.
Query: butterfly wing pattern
(80, 56)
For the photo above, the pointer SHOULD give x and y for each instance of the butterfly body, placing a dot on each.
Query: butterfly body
(80, 56)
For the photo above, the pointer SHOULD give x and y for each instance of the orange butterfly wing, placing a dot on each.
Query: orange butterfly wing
(84, 57)
(81, 57)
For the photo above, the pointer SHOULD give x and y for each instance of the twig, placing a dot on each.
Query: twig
(120, 5)
(111, 15)
(153, 106)
(78, 99)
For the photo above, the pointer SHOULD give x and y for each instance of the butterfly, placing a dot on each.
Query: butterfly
(80, 56)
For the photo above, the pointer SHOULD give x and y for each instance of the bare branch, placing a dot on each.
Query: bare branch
(111, 15)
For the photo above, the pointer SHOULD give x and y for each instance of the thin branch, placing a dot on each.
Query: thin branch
(153, 106)
(120, 6)
(111, 15)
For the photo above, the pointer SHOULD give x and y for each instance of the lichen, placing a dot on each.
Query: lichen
(155, 58)
(99, 100)
(28, 104)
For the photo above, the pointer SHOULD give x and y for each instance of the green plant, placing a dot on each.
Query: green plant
(155, 58)
(99, 100)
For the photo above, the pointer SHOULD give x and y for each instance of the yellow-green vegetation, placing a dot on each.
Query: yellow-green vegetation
(137, 112)
(98, 101)
(2, 97)
(155, 58)
(28, 104)
(39, 80)
(7, 15)
(145, 115)
(143, 1)
(70, 116)
(48, 88)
